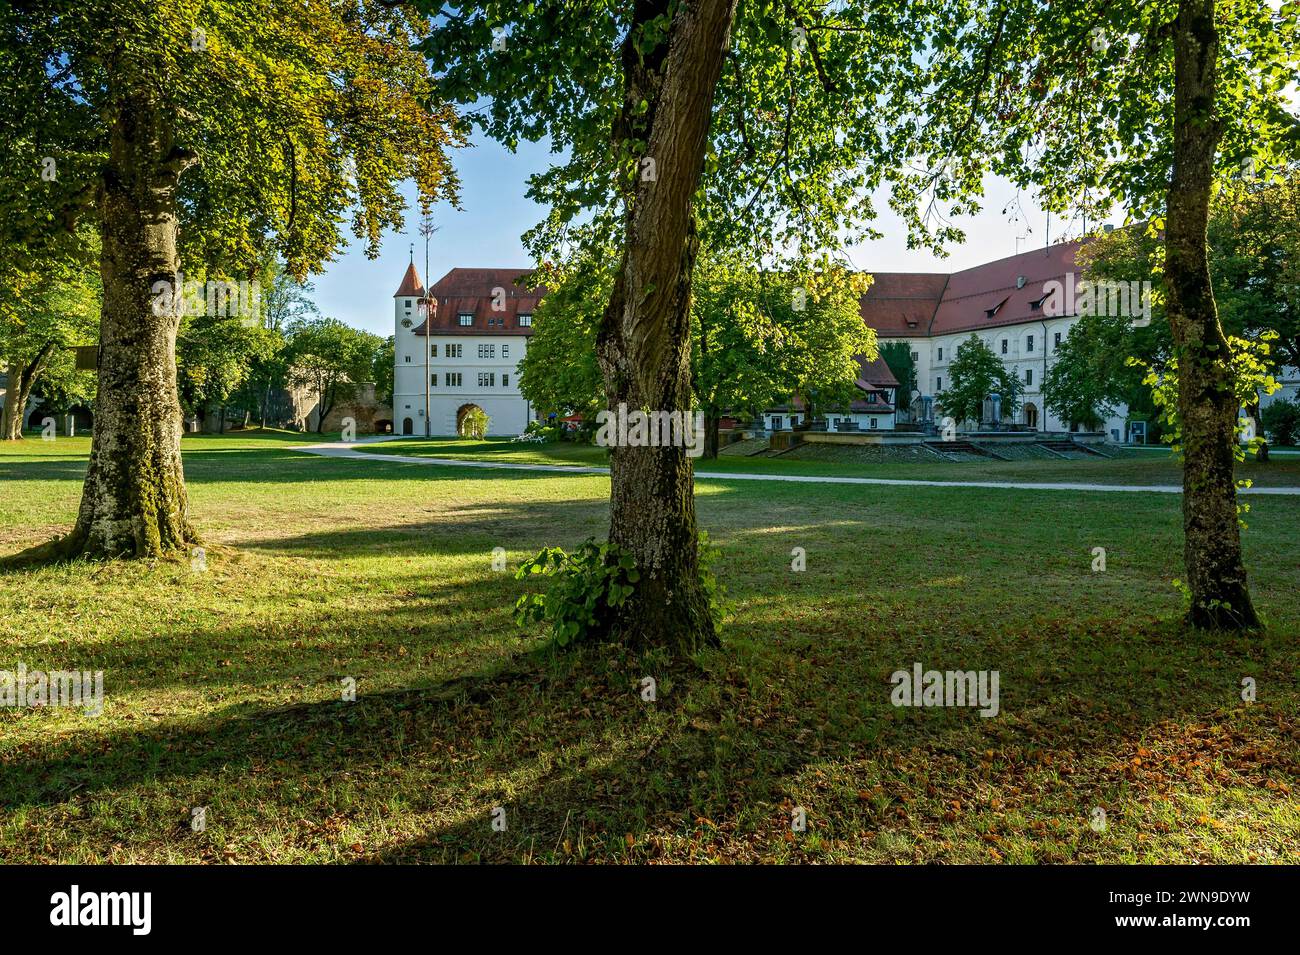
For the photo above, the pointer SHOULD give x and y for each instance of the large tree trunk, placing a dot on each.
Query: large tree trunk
(644, 341)
(1207, 401)
(133, 503)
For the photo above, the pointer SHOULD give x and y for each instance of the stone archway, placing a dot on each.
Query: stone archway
(408, 426)
(461, 413)
(1030, 414)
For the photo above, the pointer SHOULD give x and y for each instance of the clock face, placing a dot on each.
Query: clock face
(406, 323)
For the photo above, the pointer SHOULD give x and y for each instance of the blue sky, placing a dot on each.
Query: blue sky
(486, 232)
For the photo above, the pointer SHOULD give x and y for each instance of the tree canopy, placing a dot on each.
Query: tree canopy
(974, 374)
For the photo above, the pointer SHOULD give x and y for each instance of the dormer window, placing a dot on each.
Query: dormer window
(466, 319)
(990, 312)
(525, 321)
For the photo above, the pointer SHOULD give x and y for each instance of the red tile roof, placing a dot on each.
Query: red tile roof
(411, 286)
(921, 304)
(471, 291)
(902, 304)
(875, 374)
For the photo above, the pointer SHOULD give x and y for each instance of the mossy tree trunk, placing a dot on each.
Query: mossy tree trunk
(644, 341)
(133, 502)
(1207, 402)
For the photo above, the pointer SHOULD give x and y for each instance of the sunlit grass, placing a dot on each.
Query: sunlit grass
(224, 687)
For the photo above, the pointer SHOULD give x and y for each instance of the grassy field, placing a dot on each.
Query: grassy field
(1126, 467)
(223, 686)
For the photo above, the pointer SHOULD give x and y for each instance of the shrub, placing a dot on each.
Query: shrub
(584, 587)
(1281, 420)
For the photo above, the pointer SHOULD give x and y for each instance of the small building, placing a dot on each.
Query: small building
(457, 346)
(873, 409)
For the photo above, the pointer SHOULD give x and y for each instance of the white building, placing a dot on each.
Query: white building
(1005, 304)
(872, 410)
(468, 352)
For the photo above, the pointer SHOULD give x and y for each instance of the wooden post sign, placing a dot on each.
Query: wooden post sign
(87, 357)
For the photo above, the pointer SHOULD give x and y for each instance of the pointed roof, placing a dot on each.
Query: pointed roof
(411, 286)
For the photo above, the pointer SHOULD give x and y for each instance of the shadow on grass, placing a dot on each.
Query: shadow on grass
(568, 747)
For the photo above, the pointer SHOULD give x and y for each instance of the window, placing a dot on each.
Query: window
(433, 379)
(938, 384)
(1056, 340)
(916, 356)
(408, 304)
(487, 351)
(1029, 343)
(453, 351)
(505, 381)
(873, 424)
(525, 321)
(433, 349)
(487, 379)
(453, 379)
(1029, 376)
(505, 351)
(467, 318)
(1004, 346)
(941, 354)
(408, 359)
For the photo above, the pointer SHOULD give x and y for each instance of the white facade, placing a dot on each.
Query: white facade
(463, 370)
(836, 421)
(1026, 349)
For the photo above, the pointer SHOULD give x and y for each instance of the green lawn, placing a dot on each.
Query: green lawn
(1126, 467)
(223, 686)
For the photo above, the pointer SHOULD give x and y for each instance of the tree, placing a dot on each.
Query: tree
(1281, 420)
(1254, 248)
(976, 373)
(684, 124)
(381, 370)
(1154, 106)
(898, 356)
(756, 339)
(331, 359)
(474, 423)
(761, 338)
(1090, 374)
(43, 315)
(215, 357)
(285, 299)
(210, 134)
(559, 373)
